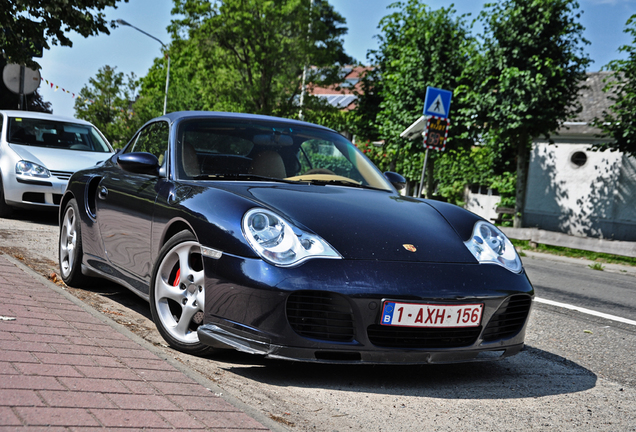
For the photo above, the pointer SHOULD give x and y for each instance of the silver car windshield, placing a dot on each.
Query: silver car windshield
(222, 150)
(56, 134)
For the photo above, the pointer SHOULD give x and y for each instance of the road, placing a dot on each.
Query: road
(574, 282)
(578, 371)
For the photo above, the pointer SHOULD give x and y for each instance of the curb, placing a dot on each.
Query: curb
(611, 268)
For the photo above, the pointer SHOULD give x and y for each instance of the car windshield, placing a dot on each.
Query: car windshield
(214, 149)
(55, 134)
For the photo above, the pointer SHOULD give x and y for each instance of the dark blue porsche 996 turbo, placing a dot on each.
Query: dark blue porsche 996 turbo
(280, 238)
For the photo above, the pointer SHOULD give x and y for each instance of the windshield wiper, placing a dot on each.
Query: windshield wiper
(247, 177)
(349, 183)
(239, 176)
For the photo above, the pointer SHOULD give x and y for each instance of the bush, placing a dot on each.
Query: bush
(458, 168)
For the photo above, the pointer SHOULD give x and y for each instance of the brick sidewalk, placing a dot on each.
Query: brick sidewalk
(63, 369)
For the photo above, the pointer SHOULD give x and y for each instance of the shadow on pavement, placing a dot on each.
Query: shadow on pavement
(48, 217)
(532, 373)
(116, 293)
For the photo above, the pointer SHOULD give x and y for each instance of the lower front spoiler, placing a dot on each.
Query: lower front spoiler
(217, 337)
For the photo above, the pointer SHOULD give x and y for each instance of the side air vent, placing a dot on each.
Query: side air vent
(321, 315)
(509, 318)
(407, 337)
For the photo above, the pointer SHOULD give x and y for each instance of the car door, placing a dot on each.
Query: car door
(125, 203)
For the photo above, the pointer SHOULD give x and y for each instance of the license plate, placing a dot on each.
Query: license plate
(431, 315)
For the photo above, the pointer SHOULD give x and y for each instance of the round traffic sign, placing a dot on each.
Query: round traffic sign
(11, 78)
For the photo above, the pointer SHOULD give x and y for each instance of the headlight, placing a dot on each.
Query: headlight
(31, 169)
(280, 243)
(489, 245)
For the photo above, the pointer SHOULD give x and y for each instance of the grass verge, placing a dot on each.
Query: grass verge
(575, 253)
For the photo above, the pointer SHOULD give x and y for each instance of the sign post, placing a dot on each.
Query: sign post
(21, 80)
(435, 135)
(436, 108)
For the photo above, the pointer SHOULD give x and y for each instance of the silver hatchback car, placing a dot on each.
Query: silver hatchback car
(39, 153)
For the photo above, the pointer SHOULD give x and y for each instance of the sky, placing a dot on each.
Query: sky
(128, 50)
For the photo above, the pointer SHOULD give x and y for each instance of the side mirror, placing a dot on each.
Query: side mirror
(139, 163)
(396, 180)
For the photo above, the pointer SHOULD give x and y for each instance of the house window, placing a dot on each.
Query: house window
(483, 190)
(578, 159)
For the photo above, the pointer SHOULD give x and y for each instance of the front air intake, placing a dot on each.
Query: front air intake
(321, 315)
(509, 318)
(408, 337)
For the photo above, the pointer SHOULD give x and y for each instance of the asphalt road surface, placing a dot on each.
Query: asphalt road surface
(578, 371)
(574, 282)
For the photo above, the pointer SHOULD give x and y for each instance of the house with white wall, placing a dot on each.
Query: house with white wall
(574, 190)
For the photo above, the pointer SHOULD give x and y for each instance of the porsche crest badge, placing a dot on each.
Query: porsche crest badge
(410, 247)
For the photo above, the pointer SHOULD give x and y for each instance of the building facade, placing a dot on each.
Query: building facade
(575, 190)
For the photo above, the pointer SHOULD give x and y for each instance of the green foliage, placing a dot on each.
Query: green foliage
(319, 155)
(28, 25)
(248, 55)
(317, 110)
(597, 266)
(106, 103)
(419, 47)
(462, 167)
(525, 83)
(505, 184)
(380, 156)
(339, 165)
(363, 120)
(620, 122)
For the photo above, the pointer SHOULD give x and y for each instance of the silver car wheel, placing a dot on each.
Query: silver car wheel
(179, 295)
(68, 241)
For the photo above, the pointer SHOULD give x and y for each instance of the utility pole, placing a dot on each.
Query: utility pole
(302, 88)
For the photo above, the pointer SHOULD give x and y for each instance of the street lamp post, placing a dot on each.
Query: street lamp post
(302, 88)
(165, 100)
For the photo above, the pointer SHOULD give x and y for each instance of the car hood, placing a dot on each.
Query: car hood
(59, 159)
(366, 224)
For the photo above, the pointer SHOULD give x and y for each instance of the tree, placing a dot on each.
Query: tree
(527, 80)
(620, 122)
(106, 102)
(26, 26)
(419, 47)
(248, 55)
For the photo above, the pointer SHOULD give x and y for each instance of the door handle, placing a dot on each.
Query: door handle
(103, 192)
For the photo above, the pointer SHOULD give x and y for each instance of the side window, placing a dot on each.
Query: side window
(152, 139)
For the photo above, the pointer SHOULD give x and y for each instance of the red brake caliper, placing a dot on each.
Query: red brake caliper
(177, 278)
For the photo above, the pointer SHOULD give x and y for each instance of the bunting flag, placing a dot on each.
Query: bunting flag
(56, 88)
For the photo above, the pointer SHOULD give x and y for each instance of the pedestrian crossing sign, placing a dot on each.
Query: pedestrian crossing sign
(437, 102)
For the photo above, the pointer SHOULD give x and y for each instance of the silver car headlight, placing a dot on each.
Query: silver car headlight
(490, 246)
(31, 169)
(279, 242)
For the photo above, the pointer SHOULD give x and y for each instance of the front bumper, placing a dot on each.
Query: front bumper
(28, 192)
(248, 308)
(217, 337)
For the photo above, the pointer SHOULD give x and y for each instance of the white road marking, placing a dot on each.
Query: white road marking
(586, 311)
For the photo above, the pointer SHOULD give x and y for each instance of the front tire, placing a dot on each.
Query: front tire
(70, 247)
(177, 294)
